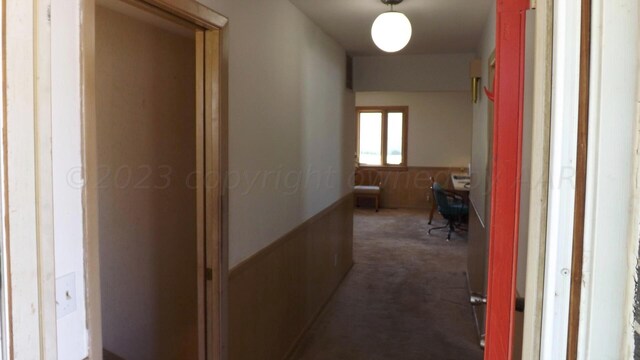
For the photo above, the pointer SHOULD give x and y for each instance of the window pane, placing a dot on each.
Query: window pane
(370, 152)
(394, 138)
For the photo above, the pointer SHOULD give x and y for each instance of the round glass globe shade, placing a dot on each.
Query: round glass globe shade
(391, 31)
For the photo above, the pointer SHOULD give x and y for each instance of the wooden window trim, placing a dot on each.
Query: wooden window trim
(385, 110)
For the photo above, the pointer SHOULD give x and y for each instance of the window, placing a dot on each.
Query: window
(382, 136)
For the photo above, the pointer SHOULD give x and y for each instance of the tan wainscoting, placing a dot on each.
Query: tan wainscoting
(275, 295)
(407, 188)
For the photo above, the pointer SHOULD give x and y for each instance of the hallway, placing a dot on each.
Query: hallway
(405, 298)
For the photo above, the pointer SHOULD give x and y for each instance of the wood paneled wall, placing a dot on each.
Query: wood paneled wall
(276, 294)
(408, 188)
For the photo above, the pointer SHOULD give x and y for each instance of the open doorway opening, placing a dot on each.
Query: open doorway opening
(146, 158)
(418, 244)
(155, 152)
(406, 295)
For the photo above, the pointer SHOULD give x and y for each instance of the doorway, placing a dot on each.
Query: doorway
(146, 141)
(154, 156)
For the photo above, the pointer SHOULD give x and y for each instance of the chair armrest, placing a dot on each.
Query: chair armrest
(453, 195)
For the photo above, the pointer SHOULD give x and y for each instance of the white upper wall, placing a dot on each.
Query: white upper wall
(439, 125)
(67, 169)
(442, 72)
(436, 88)
(480, 144)
(292, 127)
(527, 152)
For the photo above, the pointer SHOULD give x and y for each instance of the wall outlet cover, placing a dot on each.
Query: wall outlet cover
(66, 295)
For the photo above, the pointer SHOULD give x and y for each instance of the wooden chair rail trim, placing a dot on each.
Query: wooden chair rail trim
(247, 263)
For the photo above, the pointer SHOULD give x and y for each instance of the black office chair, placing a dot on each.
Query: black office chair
(451, 206)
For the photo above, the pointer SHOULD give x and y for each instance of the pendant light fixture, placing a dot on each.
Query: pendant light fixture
(391, 31)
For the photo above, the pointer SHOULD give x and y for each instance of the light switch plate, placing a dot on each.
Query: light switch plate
(66, 295)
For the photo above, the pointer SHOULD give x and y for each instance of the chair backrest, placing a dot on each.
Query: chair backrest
(367, 177)
(441, 198)
(433, 193)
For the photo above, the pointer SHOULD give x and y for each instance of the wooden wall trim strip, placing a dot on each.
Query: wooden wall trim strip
(475, 209)
(248, 262)
(224, 196)
(215, 250)
(581, 182)
(200, 194)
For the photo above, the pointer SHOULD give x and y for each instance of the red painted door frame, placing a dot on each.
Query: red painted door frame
(505, 187)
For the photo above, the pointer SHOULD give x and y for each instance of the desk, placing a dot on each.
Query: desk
(461, 182)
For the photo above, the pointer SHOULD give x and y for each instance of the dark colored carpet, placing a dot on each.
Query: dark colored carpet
(405, 298)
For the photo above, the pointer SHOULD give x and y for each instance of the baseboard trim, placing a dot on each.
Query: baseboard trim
(247, 263)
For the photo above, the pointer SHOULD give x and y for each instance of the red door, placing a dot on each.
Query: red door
(505, 187)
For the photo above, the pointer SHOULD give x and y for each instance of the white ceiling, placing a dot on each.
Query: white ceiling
(439, 26)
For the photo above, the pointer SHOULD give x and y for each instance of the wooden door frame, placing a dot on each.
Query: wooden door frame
(212, 54)
(539, 180)
(28, 271)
